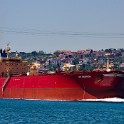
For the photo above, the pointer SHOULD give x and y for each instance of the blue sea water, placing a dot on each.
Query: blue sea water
(60, 112)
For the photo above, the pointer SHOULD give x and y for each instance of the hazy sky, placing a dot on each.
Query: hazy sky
(50, 25)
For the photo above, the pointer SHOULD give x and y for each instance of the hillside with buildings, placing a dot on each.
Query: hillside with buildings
(88, 59)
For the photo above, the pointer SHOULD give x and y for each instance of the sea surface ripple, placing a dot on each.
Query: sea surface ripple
(60, 112)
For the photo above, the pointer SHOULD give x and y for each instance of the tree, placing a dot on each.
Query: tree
(34, 53)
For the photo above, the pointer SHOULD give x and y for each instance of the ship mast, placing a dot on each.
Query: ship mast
(8, 50)
(107, 63)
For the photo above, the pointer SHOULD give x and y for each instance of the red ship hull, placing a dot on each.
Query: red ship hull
(64, 86)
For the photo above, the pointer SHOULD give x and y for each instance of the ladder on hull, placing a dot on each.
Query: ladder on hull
(5, 84)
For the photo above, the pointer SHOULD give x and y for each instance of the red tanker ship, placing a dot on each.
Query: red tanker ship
(18, 80)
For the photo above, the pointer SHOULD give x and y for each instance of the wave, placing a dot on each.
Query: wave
(106, 100)
(87, 100)
(84, 100)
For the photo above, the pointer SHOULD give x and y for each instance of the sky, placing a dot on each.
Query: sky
(49, 25)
